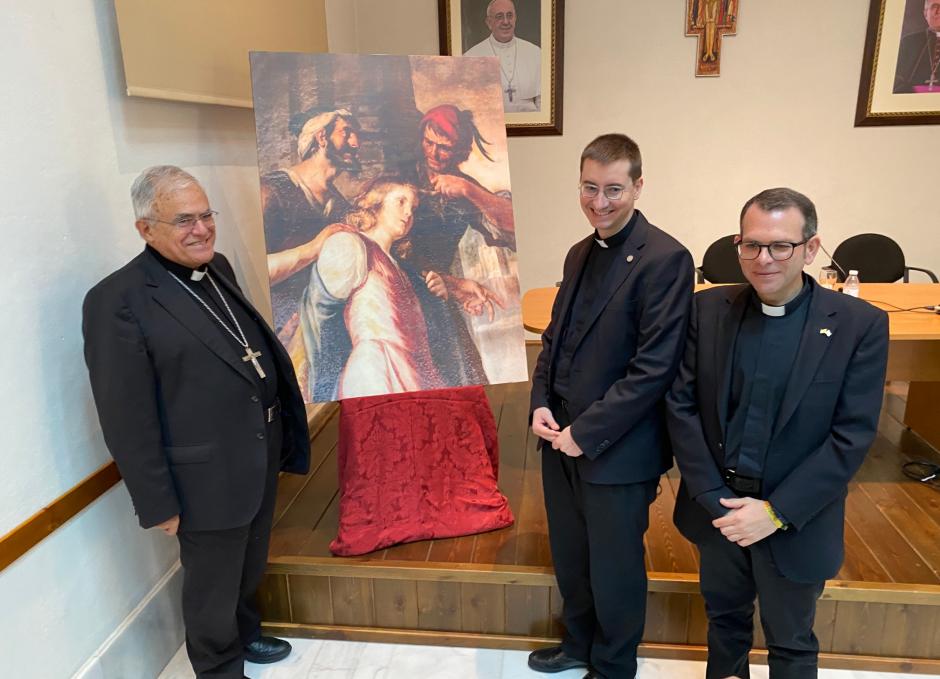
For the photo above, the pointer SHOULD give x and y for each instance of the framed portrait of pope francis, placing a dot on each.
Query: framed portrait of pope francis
(526, 38)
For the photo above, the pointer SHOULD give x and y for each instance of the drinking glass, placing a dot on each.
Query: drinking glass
(828, 277)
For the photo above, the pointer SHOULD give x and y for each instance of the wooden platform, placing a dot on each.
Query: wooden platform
(497, 589)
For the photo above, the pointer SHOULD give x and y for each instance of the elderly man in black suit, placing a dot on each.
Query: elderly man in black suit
(608, 357)
(773, 411)
(200, 409)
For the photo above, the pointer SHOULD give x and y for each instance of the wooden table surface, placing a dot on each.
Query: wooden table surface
(537, 308)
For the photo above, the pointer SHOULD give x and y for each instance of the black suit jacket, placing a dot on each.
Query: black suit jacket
(626, 357)
(827, 421)
(179, 410)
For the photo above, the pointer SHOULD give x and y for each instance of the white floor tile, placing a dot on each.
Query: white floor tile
(320, 659)
(178, 667)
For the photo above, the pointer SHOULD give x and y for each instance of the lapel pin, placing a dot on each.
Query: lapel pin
(825, 331)
(629, 258)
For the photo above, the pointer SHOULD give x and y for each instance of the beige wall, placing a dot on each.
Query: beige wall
(780, 114)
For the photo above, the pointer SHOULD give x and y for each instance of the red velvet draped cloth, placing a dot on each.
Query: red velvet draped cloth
(417, 466)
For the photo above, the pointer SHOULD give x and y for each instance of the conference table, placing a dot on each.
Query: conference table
(913, 353)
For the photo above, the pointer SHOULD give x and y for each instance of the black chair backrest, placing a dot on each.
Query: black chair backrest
(720, 263)
(877, 258)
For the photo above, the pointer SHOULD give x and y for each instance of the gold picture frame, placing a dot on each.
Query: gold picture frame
(882, 99)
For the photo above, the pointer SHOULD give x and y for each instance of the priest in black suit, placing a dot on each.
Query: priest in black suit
(200, 409)
(775, 406)
(608, 357)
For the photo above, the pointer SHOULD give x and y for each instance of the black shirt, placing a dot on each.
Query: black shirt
(247, 319)
(764, 352)
(593, 283)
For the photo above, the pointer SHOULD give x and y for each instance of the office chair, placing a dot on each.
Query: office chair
(878, 259)
(720, 263)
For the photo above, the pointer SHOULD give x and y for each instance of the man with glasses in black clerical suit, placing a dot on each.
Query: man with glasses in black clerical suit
(775, 406)
(608, 357)
(200, 408)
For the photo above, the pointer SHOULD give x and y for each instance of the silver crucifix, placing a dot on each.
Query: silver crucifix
(253, 357)
(510, 91)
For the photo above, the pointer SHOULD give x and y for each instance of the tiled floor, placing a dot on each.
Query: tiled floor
(354, 660)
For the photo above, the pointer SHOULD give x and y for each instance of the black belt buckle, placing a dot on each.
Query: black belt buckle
(744, 485)
(270, 414)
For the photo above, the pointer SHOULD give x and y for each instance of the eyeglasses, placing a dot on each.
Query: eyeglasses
(780, 250)
(613, 192)
(508, 16)
(188, 223)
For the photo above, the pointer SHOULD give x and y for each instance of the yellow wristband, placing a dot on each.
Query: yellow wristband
(773, 516)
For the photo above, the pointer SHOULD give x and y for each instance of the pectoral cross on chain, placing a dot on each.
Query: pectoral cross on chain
(253, 357)
(510, 91)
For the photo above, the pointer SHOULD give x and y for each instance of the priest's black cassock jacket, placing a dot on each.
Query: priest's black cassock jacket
(189, 424)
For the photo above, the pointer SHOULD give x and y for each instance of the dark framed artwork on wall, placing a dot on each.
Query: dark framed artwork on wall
(527, 38)
(900, 83)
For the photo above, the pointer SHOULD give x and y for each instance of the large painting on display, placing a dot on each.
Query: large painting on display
(388, 222)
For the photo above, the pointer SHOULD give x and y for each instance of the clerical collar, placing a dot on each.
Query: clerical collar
(617, 238)
(181, 271)
(789, 307)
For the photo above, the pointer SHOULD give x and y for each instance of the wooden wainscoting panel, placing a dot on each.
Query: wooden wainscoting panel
(439, 606)
(274, 599)
(528, 611)
(667, 618)
(698, 621)
(311, 599)
(859, 627)
(909, 630)
(555, 607)
(396, 603)
(483, 608)
(352, 602)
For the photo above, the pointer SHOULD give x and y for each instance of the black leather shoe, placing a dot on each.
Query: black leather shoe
(264, 650)
(553, 659)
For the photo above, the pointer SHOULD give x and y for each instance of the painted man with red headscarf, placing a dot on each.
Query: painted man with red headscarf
(452, 202)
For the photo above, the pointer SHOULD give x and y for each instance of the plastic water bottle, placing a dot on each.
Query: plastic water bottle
(851, 283)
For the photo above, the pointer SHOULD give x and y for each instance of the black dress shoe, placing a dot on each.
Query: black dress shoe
(264, 650)
(553, 659)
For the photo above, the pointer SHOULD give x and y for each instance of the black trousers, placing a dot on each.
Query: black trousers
(731, 578)
(222, 570)
(596, 536)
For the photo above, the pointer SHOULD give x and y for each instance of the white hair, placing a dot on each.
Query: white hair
(307, 139)
(152, 181)
(489, 6)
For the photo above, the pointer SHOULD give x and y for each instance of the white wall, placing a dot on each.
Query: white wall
(72, 142)
(781, 113)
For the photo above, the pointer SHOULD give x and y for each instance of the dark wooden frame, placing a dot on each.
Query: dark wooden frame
(556, 59)
(864, 116)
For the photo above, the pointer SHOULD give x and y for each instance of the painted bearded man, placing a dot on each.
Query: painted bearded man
(452, 202)
(299, 201)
